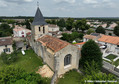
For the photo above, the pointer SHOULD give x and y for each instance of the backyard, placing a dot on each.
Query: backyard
(30, 61)
(116, 63)
(71, 77)
(111, 57)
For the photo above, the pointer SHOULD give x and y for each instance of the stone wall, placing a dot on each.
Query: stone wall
(36, 33)
(70, 49)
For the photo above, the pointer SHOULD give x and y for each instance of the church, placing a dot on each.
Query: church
(59, 55)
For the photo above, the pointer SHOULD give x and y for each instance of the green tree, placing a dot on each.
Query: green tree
(90, 51)
(49, 21)
(27, 23)
(81, 35)
(116, 30)
(53, 21)
(66, 36)
(90, 31)
(10, 21)
(69, 23)
(98, 77)
(100, 29)
(61, 23)
(81, 25)
(16, 75)
(74, 35)
(5, 30)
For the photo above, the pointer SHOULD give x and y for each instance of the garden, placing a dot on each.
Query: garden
(30, 61)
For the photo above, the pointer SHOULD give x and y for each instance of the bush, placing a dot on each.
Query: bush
(90, 31)
(16, 75)
(9, 58)
(98, 77)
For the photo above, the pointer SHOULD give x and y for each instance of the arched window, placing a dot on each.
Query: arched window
(67, 60)
(43, 29)
(39, 28)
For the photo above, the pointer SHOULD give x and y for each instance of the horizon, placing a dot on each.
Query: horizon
(61, 8)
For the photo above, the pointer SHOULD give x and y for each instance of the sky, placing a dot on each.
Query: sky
(61, 8)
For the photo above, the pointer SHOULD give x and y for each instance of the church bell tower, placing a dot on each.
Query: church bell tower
(39, 26)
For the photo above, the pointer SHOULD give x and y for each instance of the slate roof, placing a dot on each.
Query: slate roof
(38, 19)
(53, 43)
(109, 39)
(95, 34)
(6, 41)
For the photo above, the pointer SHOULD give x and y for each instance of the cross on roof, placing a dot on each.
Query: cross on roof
(37, 3)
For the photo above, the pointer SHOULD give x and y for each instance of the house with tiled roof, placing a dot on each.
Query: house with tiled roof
(93, 36)
(6, 45)
(54, 30)
(19, 31)
(59, 55)
(111, 43)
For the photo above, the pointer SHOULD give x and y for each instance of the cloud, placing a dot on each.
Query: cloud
(90, 1)
(68, 1)
(3, 4)
(18, 1)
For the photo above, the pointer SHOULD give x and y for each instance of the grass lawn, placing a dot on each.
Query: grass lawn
(107, 61)
(111, 56)
(30, 61)
(71, 77)
(116, 63)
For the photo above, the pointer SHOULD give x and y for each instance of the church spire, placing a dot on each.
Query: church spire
(38, 19)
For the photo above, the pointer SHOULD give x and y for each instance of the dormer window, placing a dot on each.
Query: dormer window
(43, 29)
(39, 28)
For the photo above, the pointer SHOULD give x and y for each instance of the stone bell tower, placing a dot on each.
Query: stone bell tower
(39, 26)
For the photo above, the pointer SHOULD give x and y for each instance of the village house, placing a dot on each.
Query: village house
(20, 31)
(60, 55)
(110, 43)
(104, 25)
(93, 36)
(54, 30)
(112, 26)
(6, 45)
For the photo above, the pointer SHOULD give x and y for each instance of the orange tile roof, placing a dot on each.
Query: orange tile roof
(53, 43)
(80, 43)
(89, 36)
(109, 39)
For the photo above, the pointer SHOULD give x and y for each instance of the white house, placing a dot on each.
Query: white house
(20, 31)
(93, 36)
(6, 45)
(54, 31)
(111, 43)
